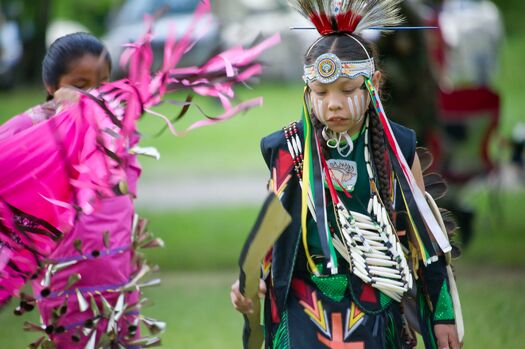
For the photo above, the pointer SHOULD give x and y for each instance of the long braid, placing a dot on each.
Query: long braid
(381, 160)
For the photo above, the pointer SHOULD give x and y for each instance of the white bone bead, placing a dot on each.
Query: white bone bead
(362, 276)
(385, 275)
(367, 226)
(380, 262)
(384, 283)
(377, 255)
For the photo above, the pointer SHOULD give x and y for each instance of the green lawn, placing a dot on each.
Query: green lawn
(217, 234)
(197, 309)
(207, 239)
(499, 228)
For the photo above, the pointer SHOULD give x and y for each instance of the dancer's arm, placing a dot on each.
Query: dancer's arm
(435, 277)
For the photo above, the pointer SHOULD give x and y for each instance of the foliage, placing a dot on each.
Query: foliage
(512, 11)
(92, 14)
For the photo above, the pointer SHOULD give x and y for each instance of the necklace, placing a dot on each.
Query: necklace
(366, 241)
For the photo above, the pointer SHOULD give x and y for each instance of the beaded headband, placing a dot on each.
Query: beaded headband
(328, 68)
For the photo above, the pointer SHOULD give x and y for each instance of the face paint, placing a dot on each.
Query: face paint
(318, 109)
(356, 106)
(351, 108)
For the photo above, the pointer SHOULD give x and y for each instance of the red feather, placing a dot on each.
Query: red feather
(347, 22)
(323, 23)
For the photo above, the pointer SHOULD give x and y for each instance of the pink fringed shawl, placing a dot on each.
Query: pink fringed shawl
(63, 178)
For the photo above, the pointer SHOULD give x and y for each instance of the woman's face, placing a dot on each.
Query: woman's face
(342, 104)
(84, 73)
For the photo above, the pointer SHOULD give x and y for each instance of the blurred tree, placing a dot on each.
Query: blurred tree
(513, 11)
(92, 14)
(33, 18)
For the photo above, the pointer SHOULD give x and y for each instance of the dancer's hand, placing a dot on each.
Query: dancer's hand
(241, 303)
(65, 96)
(447, 336)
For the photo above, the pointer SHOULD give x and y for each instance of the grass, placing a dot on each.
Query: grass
(207, 239)
(227, 147)
(211, 238)
(197, 309)
(498, 230)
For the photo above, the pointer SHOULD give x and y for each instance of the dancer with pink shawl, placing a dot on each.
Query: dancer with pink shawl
(69, 173)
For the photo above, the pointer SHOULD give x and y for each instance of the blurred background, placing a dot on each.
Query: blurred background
(460, 86)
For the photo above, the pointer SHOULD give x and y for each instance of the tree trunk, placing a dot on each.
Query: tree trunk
(34, 20)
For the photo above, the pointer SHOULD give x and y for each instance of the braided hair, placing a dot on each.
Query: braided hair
(381, 160)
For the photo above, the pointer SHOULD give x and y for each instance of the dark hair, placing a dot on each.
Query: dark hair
(342, 45)
(65, 50)
(346, 48)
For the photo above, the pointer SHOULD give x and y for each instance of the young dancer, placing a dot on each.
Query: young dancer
(363, 243)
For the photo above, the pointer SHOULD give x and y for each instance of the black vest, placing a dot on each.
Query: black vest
(285, 249)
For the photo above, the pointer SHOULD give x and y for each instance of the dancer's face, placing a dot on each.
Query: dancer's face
(342, 104)
(84, 73)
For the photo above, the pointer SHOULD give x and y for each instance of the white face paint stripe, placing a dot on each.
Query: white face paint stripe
(358, 107)
(363, 107)
(351, 108)
(320, 112)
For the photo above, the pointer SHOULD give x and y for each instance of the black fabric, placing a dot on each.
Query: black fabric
(433, 276)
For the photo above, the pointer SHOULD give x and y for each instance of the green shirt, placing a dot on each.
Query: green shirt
(360, 192)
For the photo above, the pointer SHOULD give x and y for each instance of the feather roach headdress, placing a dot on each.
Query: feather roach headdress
(349, 16)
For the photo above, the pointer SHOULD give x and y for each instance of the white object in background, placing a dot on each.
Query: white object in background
(61, 27)
(473, 31)
(10, 45)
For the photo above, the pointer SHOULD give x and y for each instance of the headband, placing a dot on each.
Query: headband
(328, 67)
